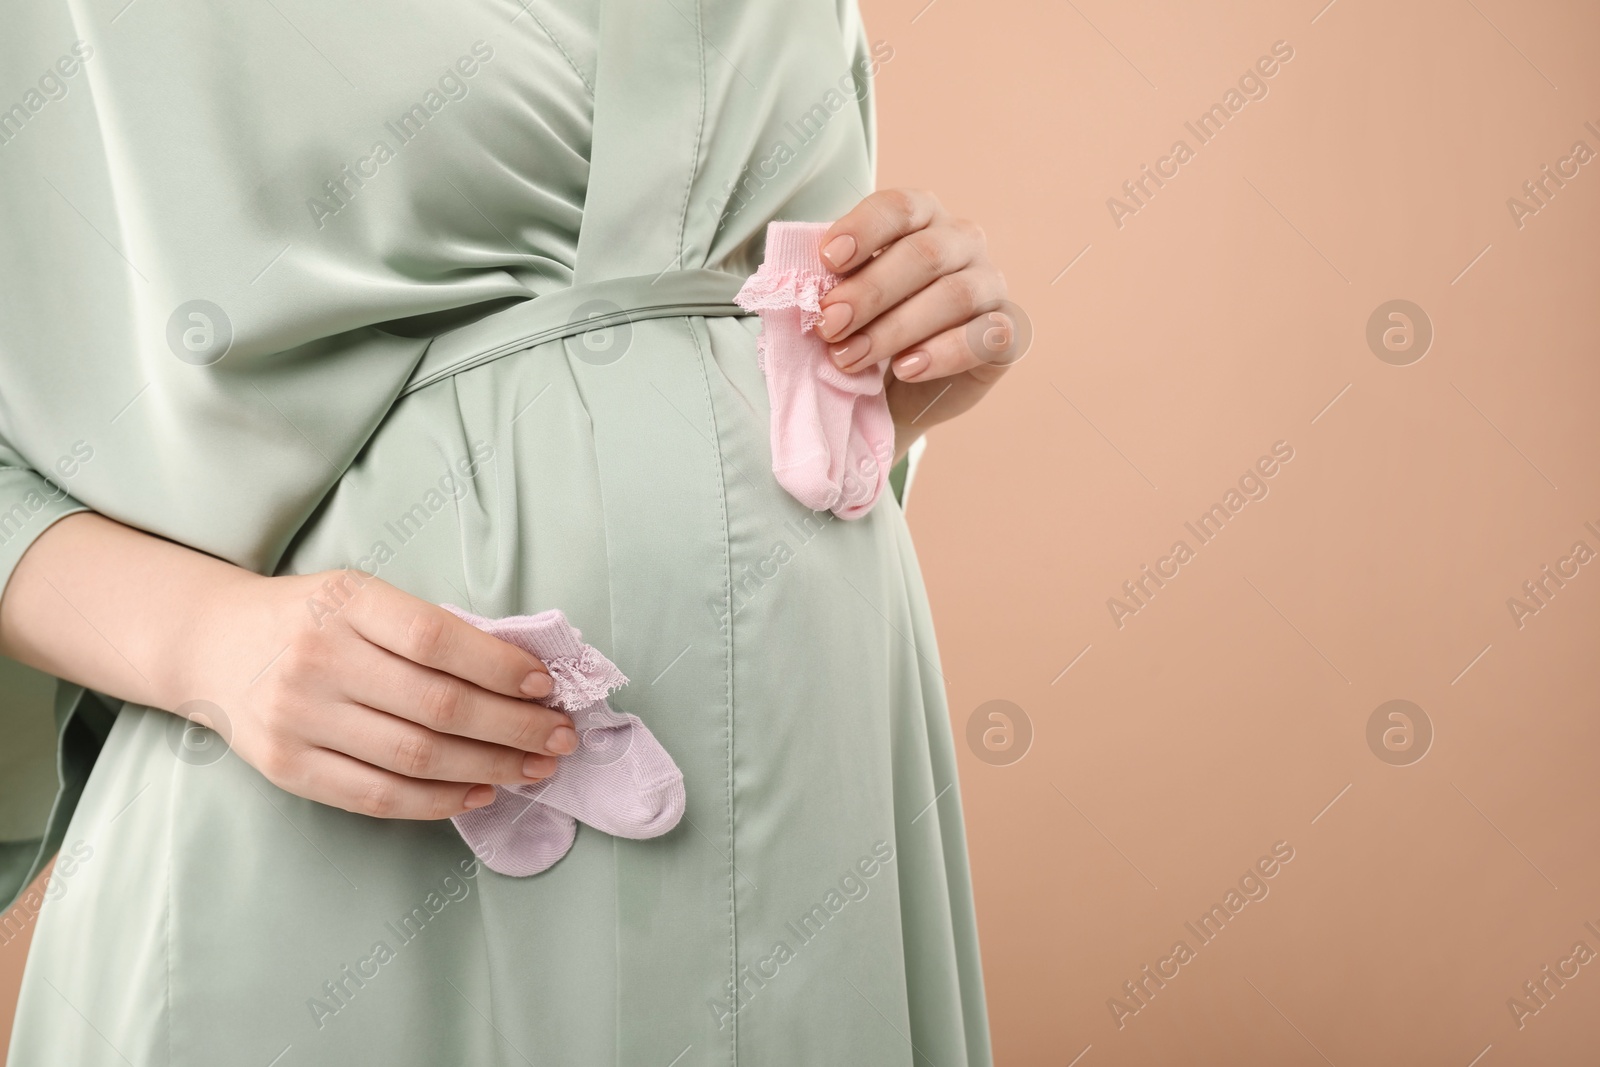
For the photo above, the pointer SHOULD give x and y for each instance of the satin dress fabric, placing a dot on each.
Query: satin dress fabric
(221, 293)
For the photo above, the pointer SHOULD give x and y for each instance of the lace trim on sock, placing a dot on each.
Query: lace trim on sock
(776, 290)
(579, 681)
(792, 275)
(783, 290)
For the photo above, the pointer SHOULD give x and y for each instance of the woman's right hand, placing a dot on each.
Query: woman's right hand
(340, 688)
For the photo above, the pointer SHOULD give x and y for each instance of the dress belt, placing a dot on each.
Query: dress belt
(576, 310)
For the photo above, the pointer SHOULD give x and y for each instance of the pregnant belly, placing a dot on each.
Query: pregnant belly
(631, 488)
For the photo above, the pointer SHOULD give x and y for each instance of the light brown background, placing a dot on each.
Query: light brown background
(1228, 713)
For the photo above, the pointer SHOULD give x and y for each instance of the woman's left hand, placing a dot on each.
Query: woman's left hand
(920, 290)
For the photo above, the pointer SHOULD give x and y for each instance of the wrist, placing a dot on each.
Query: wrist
(195, 661)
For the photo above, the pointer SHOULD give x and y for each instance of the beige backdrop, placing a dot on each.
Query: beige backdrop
(1152, 755)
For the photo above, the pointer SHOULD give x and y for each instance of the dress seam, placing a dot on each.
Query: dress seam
(616, 953)
(461, 521)
(727, 644)
(699, 135)
(562, 49)
(166, 924)
(727, 555)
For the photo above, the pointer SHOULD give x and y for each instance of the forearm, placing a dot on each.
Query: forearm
(111, 608)
(391, 706)
(904, 438)
(905, 433)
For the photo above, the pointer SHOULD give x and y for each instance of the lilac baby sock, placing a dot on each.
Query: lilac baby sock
(515, 834)
(832, 435)
(620, 780)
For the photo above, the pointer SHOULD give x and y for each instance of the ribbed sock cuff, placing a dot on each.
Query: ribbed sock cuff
(797, 246)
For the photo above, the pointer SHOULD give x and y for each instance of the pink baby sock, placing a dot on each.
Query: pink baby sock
(620, 780)
(832, 435)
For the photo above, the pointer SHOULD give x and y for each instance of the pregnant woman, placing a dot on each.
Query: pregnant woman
(288, 360)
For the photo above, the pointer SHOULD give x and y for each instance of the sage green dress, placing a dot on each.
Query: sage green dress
(267, 272)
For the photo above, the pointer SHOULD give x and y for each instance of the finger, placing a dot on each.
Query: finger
(428, 634)
(383, 740)
(875, 223)
(952, 300)
(447, 704)
(952, 352)
(906, 267)
(345, 782)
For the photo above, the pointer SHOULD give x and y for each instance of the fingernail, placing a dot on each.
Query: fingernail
(906, 366)
(536, 684)
(836, 317)
(563, 741)
(851, 351)
(535, 766)
(839, 250)
(479, 795)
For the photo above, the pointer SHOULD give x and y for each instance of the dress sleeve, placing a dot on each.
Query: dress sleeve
(29, 504)
(52, 730)
(865, 59)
